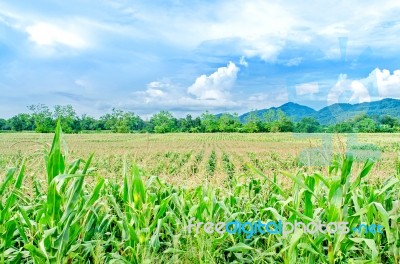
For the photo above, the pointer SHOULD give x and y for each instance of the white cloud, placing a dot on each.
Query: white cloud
(215, 86)
(263, 28)
(243, 62)
(156, 91)
(307, 88)
(45, 34)
(258, 97)
(210, 92)
(358, 90)
(388, 84)
(379, 84)
(293, 62)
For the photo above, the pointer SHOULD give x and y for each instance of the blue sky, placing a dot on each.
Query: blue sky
(192, 56)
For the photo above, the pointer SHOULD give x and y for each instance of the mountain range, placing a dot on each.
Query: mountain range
(334, 113)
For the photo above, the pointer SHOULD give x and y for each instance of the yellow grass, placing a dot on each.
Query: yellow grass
(173, 156)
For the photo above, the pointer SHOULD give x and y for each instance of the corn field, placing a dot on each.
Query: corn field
(76, 215)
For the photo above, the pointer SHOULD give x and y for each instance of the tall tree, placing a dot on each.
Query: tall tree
(21, 122)
(252, 123)
(188, 124)
(3, 124)
(228, 123)
(134, 122)
(67, 116)
(163, 122)
(88, 123)
(284, 123)
(42, 117)
(366, 125)
(269, 117)
(209, 122)
(307, 125)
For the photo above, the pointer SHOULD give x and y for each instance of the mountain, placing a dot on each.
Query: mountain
(295, 111)
(335, 113)
(341, 112)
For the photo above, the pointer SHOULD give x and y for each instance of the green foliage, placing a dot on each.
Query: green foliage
(251, 124)
(121, 122)
(271, 120)
(345, 127)
(366, 125)
(211, 163)
(87, 123)
(228, 123)
(143, 220)
(42, 116)
(4, 124)
(188, 124)
(209, 122)
(308, 125)
(67, 116)
(21, 122)
(163, 122)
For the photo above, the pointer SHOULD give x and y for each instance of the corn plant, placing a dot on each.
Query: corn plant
(141, 219)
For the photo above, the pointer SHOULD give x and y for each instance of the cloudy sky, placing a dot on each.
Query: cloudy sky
(192, 56)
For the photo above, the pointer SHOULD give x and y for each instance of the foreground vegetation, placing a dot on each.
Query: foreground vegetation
(138, 218)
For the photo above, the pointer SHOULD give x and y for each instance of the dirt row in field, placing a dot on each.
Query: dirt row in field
(192, 159)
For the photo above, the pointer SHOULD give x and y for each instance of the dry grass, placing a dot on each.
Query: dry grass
(175, 157)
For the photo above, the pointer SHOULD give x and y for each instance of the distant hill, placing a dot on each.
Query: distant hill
(336, 112)
(295, 111)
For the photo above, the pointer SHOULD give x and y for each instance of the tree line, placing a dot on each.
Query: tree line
(41, 119)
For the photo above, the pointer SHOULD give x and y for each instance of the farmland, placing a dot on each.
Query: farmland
(186, 159)
(131, 202)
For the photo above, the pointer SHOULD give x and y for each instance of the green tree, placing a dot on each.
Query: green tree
(343, 127)
(252, 123)
(88, 123)
(228, 122)
(196, 127)
(269, 117)
(135, 123)
(209, 122)
(42, 117)
(21, 122)
(188, 124)
(4, 124)
(163, 122)
(284, 123)
(388, 124)
(389, 120)
(366, 125)
(67, 116)
(116, 121)
(308, 125)
(120, 123)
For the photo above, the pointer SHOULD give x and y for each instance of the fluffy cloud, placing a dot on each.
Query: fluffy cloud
(388, 84)
(344, 86)
(207, 92)
(156, 91)
(215, 86)
(377, 85)
(44, 34)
